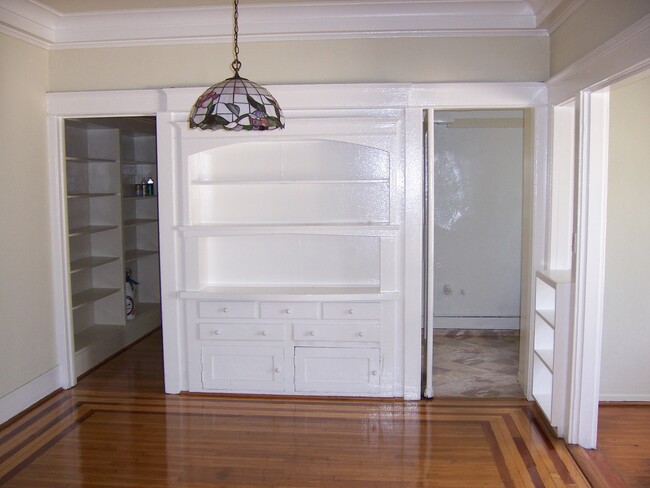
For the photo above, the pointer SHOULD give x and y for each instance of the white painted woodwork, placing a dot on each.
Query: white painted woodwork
(551, 345)
(109, 27)
(109, 230)
(337, 370)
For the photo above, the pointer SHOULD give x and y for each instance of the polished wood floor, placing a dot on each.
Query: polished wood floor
(117, 429)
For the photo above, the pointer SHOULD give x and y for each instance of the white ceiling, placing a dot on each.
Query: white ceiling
(64, 24)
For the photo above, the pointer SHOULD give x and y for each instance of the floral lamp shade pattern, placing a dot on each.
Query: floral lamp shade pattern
(236, 104)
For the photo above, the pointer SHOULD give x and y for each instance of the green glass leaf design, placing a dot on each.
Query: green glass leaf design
(255, 104)
(276, 108)
(234, 108)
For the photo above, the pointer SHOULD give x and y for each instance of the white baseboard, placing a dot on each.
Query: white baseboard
(27, 395)
(622, 397)
(506, 323)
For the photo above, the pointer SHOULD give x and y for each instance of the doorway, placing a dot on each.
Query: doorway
(475, 267)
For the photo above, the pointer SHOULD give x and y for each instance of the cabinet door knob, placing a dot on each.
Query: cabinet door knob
(312, 333)
(217, 332)
(287, 311)
(361, 334)
(374, 372)
(263, 332)
(351, 311)
(277, 370)
(225, 310)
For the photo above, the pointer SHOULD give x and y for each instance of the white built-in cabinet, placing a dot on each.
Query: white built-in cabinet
(290, 252)
(551, 345)
(110, 229)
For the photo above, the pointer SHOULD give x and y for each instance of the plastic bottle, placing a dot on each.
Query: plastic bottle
(150, 187)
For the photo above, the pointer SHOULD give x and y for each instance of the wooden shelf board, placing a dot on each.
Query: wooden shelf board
(555, 276)
(363, 229)
(72, 196)
(548, 316)
(149, 197)
(262, 292)
(546, 355)
(137, 254)
(80, 159)
(90, 262)
(91, 295)
(288, 182)
(90, 229)
(139, 222)
(134, 162)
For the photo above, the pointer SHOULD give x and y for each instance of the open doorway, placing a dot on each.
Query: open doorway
(476, 229)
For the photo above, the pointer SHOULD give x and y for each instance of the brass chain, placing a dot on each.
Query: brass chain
(236, 64)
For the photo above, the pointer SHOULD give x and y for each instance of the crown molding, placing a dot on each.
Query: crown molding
(555, 12)
(40, 25)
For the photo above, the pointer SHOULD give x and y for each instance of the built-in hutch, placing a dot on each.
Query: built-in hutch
(289, 250)
(111, 228)
(551, 345)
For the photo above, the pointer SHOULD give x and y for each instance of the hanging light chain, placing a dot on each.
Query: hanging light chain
(236, 64)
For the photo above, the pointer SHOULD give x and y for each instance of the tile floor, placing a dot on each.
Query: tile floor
(476, 363)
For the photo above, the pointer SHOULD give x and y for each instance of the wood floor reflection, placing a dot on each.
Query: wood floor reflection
(117, 429)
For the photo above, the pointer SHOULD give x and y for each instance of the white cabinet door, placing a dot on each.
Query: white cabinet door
(243, 368)
(330, 370)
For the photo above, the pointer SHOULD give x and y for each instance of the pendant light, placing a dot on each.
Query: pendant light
(236, 103)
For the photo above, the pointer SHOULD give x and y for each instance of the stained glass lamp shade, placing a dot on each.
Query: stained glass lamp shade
(236, 104)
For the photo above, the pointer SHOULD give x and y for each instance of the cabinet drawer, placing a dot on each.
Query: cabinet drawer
(335, 332)
(337, 370)
(241, 332)
(289, 310)
(352, 310)
(235, 310)
(242, 368)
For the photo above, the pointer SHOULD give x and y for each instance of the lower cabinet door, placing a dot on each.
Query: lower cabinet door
(243, 368)
(337, 370)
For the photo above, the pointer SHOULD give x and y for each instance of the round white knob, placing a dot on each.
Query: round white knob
(361, 334)
(312, 333)
(351, 311)
(374, 372)
(263, 332)
(277, 370)
(216, 332)
(225, 310)
(287, 311)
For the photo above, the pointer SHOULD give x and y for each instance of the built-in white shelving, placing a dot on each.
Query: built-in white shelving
(551, 338)
(289, 259)
(101, 167)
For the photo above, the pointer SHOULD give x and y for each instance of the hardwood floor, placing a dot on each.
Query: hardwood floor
(622, 459)
(118, 429)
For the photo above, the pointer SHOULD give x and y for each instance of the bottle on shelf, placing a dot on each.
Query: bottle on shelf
(149, 187)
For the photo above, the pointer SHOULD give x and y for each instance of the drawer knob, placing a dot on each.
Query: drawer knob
(374, 372)
(225, 310)
(312, 333)
(287, 311)
(361, 334)
(351, 311)
(263, 333)
(217, 332)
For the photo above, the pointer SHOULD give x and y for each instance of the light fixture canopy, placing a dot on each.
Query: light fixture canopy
(236, 103)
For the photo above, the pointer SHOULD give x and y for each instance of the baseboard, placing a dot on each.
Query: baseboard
(621, 397)
(27, 395)
(506, 323)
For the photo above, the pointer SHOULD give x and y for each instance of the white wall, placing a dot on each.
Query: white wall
(27, 343)
(626, 326)
(478, 178)
(508, 58)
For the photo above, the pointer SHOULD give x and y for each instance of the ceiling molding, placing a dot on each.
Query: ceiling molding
(36, 23)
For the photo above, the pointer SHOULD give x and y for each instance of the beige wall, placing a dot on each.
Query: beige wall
(27, 346)
(335, 61)
(591, 25)
(626, 326)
